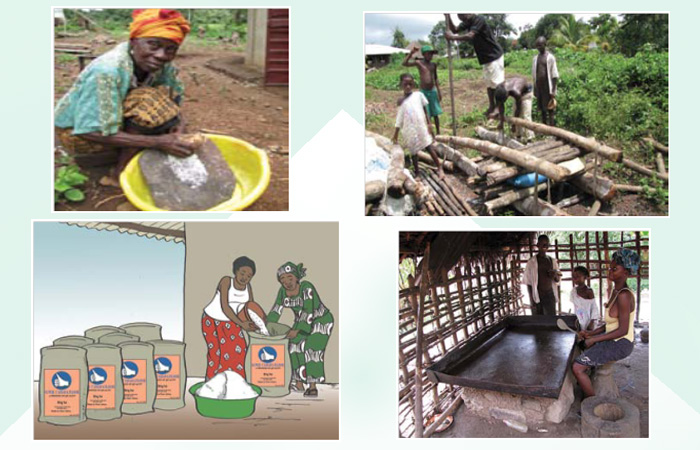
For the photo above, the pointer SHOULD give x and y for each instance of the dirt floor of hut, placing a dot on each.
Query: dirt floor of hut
(291, 417)
(631, 375)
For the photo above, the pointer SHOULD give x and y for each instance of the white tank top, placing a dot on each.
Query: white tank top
(236, 300)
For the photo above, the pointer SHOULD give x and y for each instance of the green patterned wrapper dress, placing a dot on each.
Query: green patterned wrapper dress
(314, 322)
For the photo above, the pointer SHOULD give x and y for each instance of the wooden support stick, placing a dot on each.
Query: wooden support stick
(660, 163)
(658, 146)
(630, 188)
(641, 169)
(595, 208)
(450, 410)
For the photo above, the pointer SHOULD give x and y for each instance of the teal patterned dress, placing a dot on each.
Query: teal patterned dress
(314, 323)
(94, 102)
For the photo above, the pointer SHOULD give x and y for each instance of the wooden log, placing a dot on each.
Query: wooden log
(510, 197)
(571, 201)
(374, 190)
(502, 175)
(492, 136)
(630, 188)
(658, 146)
(536, 207)
(603, 188)
(425, 157)
(641, 169)
(559, 154)
(395, 176)
(542, 145)
(460, 161)
(595, 208)
(521, 159)
(580, 141)
(660, 163)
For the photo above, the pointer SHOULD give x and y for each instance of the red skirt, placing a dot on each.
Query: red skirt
(226, 346)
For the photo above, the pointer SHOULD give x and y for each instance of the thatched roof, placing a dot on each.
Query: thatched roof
(447, 248)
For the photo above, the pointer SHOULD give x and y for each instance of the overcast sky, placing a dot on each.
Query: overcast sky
(379, 27)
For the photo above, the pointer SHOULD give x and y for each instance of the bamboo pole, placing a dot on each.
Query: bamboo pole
(580, 141)
(529, 162)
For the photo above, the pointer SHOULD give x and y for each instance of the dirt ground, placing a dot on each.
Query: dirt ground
(470, 96)
(631, 375)
(291, 417)
(214, 101)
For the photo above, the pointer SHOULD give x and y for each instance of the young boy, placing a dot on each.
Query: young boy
(583, 299)
(412, 120)
(545, 76)
(429, 85)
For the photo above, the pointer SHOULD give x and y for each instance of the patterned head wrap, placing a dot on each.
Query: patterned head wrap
(297, 270)
(159, 23)
(629, 259)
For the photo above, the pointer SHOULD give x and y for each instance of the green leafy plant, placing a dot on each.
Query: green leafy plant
(67, 178)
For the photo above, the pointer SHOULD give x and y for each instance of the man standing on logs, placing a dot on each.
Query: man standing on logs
(541, 278)
(429, 85)
(488, 51)
(545, 76)
(521, 91)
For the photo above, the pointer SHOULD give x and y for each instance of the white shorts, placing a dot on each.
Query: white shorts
(495, 73)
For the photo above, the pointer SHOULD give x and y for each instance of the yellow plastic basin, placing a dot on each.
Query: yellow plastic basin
(248, 163)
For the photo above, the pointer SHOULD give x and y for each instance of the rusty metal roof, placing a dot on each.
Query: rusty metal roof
(165, 231)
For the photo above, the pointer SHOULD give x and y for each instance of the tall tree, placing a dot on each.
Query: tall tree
(638, 30)
(571, 33)
(400, 40)
(437, 37)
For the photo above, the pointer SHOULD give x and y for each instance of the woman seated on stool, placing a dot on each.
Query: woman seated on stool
(614, 340)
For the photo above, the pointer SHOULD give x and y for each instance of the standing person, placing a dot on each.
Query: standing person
(583, 299)
(429, 85)
(221, 326)
(309, 335)
(545, 76)
(614, 340)
(128, 98)
(542, 277)
(521, 91)
(488, 50)
(413, 123)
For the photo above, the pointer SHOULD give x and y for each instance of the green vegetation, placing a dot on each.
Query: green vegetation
(68, 177)
(216, 23)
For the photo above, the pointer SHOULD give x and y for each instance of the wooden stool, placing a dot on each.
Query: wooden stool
(604, 381)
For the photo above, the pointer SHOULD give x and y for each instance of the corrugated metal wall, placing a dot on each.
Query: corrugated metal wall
(277, 49)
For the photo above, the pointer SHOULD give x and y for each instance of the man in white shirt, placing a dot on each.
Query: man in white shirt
(542, 277)
(545, 76)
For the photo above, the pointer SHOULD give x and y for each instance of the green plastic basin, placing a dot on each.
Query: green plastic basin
(224, 409)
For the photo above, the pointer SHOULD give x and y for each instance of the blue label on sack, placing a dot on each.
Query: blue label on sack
(61, 380)
(98, 376)
(162, 365)
(267, 355)
(129, 369)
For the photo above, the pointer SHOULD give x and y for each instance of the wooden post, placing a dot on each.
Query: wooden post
(460, 292)
(452, 90)
(418, 403)
(639, 272)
